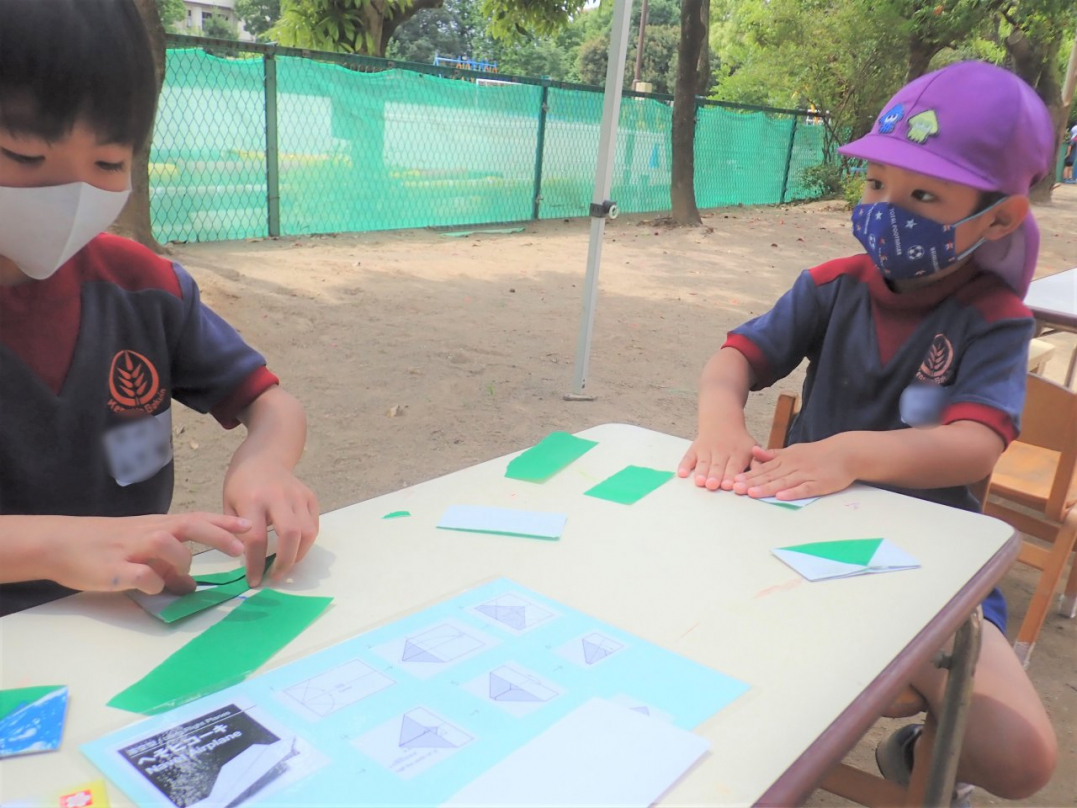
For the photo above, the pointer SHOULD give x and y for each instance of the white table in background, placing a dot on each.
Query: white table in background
(688, 569)
(1053, 301)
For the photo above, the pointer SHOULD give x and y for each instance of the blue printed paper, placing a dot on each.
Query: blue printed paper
(407, 714)
(32, 719)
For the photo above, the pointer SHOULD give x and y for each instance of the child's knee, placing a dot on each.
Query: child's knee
(1023, 762)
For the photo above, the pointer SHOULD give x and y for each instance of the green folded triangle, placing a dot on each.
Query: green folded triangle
(848, 551)
(19, 697)
(548, 456)
(397, 515)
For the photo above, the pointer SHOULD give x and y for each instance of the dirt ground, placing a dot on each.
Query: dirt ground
(417, 354)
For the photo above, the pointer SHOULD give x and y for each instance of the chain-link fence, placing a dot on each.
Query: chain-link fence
(255, 140)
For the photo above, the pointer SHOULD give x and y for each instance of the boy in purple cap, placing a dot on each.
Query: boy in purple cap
(926, 329)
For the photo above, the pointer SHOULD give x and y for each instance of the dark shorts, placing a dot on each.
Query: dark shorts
(994, 607)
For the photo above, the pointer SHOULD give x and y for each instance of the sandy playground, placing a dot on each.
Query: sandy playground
(416, 354)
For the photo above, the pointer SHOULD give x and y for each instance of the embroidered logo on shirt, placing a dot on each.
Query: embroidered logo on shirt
(936, 365)
(134, 384)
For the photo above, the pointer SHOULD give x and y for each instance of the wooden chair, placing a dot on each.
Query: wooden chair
(1034, 488)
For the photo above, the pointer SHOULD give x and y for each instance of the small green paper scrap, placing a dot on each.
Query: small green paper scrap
(548, 456)
(225, 653)
(629, 485)
(396, 514)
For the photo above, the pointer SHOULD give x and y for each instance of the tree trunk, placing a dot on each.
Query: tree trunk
(1034, 62)
(682, 186)
(134, 219)
(705, 52)
(920, 55)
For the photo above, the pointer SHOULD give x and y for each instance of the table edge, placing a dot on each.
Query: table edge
(803, 777)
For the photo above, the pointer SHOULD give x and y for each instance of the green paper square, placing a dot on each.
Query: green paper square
(629, 485)
(548, 456)
(225, 653)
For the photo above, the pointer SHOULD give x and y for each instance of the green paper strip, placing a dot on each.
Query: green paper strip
(500, 533)
(396, 514)
(785, 505)
(629, 485)
(19, 697)
(848, 551)
(224, 654)
(226, 585)
(201, 600)
(548, 456)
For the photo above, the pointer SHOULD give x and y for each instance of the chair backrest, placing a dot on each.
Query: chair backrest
(1049, 420)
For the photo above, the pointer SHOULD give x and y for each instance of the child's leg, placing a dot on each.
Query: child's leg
(1010, 747)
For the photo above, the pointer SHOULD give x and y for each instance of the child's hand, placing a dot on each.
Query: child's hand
(137, 552)
(799, 471)
(716, 460)
(267, 493)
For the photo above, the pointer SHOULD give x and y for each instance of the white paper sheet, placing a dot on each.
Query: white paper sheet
(600, 754)
(480, 519)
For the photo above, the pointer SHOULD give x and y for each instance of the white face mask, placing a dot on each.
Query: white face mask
(40, 228)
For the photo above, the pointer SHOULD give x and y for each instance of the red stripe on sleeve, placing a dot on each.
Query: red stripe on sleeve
(227, 411)
(995, 420)
(755, 357)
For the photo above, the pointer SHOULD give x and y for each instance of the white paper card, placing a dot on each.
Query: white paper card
(600, 754)
(480, 519)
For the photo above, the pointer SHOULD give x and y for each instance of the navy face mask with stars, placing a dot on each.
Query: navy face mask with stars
(905, 245)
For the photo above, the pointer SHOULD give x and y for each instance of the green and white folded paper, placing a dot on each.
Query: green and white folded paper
(820, 561)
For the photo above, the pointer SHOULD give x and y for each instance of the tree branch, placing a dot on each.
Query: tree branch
(392, 23)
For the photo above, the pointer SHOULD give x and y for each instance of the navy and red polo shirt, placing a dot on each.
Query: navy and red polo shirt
(91, 359)
(954, 350)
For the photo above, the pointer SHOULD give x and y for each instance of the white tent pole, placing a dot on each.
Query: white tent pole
(600, 204)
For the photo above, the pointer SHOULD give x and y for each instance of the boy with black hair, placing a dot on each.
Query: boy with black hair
(98, 335)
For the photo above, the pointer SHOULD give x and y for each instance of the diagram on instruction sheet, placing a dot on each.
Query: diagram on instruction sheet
(431, 650)
(337, 688)
(514, 689)
(514, 612)
(591, 649)
(413, 742)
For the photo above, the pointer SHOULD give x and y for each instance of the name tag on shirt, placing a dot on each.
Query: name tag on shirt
(138, 450)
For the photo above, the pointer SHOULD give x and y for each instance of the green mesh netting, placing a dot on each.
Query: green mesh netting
(361, 151)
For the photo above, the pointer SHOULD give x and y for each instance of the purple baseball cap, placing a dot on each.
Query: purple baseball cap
(978, 125)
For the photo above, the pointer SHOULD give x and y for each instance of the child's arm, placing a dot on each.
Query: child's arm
(955, 454)
(723, 447)
(112, 553)
(260, 486)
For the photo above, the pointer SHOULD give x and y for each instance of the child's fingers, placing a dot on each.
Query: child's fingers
(215, 530)
(254, 545)
(162, 550)
(289, 529)
(688, 462)
(310, 528)
(140, 577)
